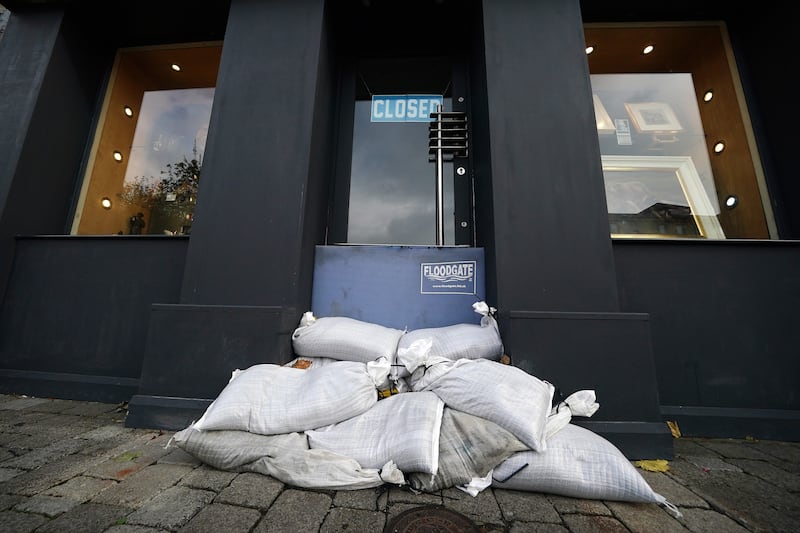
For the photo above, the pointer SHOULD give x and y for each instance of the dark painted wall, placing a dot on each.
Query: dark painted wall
(550, 221)
(80, 306)
(261, 173)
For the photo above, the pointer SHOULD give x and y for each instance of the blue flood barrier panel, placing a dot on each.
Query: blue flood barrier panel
(400, 287)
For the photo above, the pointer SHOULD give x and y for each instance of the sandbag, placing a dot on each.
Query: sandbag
(403, 428)
(271, 399)
(285, 457)
(578, 463)
(344, 338)
(469, 447)
(506, 395)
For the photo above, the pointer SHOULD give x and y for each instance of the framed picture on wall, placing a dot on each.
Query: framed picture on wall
(653, 117)
(658, 197)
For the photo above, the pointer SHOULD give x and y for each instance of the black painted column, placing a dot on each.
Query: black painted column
(260, 212)
(550, 241)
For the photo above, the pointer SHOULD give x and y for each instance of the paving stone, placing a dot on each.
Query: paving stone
(172, 508)
(87, 517)
(47, 505)
(90, 409)
(645, 517)
(7, 501)
(133, 491)
(526, 506)
(340, 519)
(735, 449)
(251, 490)
(125, 528)
(578, 523)
(16, 522)
(52, 405)
(222, 517)
(80, 488)
(784, 451)
(536, 527)
(206, 477)
(129, 459)
(482, 508)
(105, 432)
(179, 457)
(405, 495)
(49, 475)
(709, 521)
(565, 505)
(675, 493)
(21, 403)
(8, 473)
(683, 447)
(769, 473)
(43, 456)
(367, 499)
(304, 510)
(709, 463)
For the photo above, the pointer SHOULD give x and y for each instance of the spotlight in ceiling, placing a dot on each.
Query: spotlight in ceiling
(117, 155)
(719, 146)
(128, 111)
(176, 67)
(589, 49)
(106, 202)
(731, 201)
(708, 95)
(648, 49)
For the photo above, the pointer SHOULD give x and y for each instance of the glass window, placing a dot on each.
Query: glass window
(678, 157)
(147, 156)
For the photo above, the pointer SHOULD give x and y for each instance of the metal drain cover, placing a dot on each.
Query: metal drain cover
(431, 519)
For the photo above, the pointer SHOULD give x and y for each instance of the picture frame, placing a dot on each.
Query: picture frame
(605, 125)
(658, 197)
(653, 117)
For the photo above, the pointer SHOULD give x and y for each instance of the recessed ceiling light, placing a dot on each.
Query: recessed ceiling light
(117, 155)
(647, 49)
(128, 111)
(719, 146)
(708, 95)
(176, 67)
(106, 202)
(589, 49)
(731, 201)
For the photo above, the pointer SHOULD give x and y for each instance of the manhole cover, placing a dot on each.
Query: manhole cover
(431, 519)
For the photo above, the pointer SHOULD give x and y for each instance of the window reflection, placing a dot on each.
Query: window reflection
(393, 185)
(156, 120)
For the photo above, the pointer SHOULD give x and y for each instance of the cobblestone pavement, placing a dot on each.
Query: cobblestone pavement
(68, 466)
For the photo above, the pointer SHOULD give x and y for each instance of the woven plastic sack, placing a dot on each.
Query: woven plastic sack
(508, 396)
(403, 428)
(578, 463)
(285, 457)
(344, 338)
(270, 399)
(469, 447)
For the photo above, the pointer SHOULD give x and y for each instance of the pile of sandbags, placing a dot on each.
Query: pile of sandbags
(363, 405)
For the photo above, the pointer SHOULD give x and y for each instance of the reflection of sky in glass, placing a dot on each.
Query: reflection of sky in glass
(171, 123)
(393, 185)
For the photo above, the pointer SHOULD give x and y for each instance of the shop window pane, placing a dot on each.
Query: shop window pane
(146, 161)
(660, 116)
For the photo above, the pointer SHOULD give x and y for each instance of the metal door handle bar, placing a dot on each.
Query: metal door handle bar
(447, 137)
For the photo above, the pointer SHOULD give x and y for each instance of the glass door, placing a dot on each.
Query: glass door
(385, 190)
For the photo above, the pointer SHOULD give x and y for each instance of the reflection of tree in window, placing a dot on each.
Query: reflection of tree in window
(171, 199)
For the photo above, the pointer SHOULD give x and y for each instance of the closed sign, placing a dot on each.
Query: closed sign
(404, 107)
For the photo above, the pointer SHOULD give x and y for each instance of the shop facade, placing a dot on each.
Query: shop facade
(160, 225)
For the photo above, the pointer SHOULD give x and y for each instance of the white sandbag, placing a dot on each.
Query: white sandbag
(344, 338)
(578, 463)
(459, 341)
(469, 447)
(403, 428)
(423, 368)
(504, 394)
(270, 399)
(581, 403)
(285, 457)
(309, 362)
